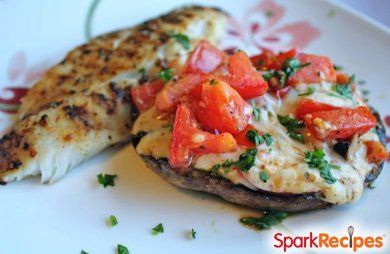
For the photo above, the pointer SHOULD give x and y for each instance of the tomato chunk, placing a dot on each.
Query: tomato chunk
(306, 106)
(320, 69)
(221, 108)
(340, 123)
(188, 140)
(269, 61)
(248, 82)
(144, 95)
(376, 152)
(204, 59)
(169, 97)
(242, 139)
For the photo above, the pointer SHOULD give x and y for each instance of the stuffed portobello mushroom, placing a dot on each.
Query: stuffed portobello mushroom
(279, 131)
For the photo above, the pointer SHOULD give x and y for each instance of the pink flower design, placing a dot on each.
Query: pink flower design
(19, 72)
(261, 29)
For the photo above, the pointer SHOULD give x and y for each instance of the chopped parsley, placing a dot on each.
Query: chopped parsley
(263, 176)
(158, 229)
(142, 71)
(254, 137)
(83, 252)
(293, 127)
(227, 164)
(309, 91)
(269, 218)
(113, 220)
(268, 139)
(316, 159)
(214, 169)
(181, 38)
(256, 112)
(122, 249)
(247, 160)
(106, 179)
(338, 67)
(289, 67)
(193, 233)
(166, 75)
(343, 90)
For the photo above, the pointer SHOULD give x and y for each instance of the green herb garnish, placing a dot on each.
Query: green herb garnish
(83, 252)
(343, 90)
(263, 176)
(256, 112)
(113, 220)
(166, 75)
(247, 160)
(106, 179)
(269, 218)
(257, 139)
(142, 71)
(158, 229)
(268, 139)
(293, 127)
(297, 136)
(254, 137)
(122, 249)
(316, 159)
(338, 67)
(193, 233)
(309, 91)
(214, 169)
(181, 38)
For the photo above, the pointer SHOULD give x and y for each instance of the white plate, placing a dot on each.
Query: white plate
(71, 215)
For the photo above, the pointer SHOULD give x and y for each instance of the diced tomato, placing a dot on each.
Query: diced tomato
(221, 108)
(263, 61)
(169, 97)
(269, 61)
(340, 123)
(306, 106)
(188, 140)
(320, 69)
(248, 82)
(144, 95)
(342, 78)
(204, 59)
(281, 93)
(376, 152)
(242, 139)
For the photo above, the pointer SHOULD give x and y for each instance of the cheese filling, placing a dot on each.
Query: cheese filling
(283, 162)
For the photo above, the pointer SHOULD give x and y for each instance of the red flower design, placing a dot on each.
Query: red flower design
(261, 30)
(19, 71)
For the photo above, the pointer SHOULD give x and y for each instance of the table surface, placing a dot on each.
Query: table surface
(375, 9)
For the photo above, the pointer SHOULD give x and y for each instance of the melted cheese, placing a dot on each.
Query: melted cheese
(283, 161)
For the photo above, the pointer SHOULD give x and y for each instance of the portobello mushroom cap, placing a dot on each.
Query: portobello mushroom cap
(199, 180)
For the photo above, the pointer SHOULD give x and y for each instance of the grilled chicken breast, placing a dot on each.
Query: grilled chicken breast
(82, 105)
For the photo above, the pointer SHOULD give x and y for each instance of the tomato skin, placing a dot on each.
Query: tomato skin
(376, 152)
(204, 59)
(340, 123)
(263, 61)
(188, 140)
(221, 108)
(169, 97)
(320, 69)
(144, 95)
(242, 139)
(306, 106)
(248, 82)
(269, 61)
